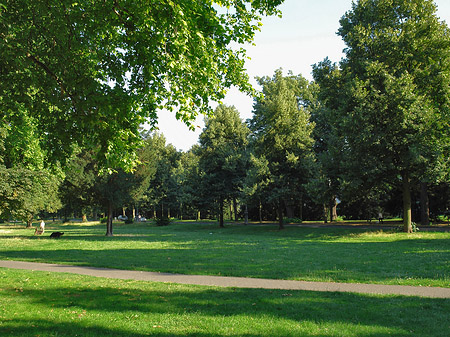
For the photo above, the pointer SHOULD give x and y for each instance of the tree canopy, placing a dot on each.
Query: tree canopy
(396, 108)
(91, 72)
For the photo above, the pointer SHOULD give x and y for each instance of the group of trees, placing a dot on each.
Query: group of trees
(369, 131)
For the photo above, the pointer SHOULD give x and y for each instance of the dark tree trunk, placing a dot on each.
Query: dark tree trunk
(424, 205)
(246, 215)
(280, 215)
(300, 208)
(221, 213)
(289, 211)
(325, 213)
(29, 222)
(406, 189)
(109, 221)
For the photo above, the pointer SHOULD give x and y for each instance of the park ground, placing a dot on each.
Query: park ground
(54, 304)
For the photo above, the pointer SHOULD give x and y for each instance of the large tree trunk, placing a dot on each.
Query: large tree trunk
(29, 221)
(333, 209)
(84, 218)
(280, 215)
(109, 221)
(424, 205)
(221, 213)
(407, 226)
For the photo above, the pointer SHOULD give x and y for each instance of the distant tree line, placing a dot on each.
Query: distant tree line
(370, 134)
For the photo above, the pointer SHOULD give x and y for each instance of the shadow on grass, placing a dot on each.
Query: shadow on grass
(400, 316)
(381, 262)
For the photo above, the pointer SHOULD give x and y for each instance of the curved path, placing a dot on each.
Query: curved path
(238, 282)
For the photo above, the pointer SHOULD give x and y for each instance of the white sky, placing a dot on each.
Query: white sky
(305, 35)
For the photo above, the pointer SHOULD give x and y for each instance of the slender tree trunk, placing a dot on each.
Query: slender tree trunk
(109, 221)
(199, 216)
(407, 226)
(300, 208)
(246, 214)
(235, 206)
(260, 211)
(325, 213)
(424, 205)
(280, 215)
(221, 213)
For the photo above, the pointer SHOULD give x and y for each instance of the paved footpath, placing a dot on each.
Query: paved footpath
(238, 282)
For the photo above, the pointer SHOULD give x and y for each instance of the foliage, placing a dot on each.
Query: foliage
(91, 72)
(223, 157)
(162, 221)
(281, 139)
(24, 193)
(394, 94)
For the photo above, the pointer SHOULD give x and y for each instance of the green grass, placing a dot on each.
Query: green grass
(296, 253)
(51, 304)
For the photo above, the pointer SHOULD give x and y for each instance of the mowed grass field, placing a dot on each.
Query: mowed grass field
(47, 304)
(296, 253)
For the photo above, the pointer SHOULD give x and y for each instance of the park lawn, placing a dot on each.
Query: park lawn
(36, 303)
(296, 253)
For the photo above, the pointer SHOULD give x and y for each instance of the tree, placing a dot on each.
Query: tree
(223, 157)
(282, 137)
(24, 193)
(396, 71)
(159, 160)
(77, 191)
(91, 72)
(27, 186)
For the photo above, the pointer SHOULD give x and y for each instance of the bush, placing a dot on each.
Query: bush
(414, 226)
(129, 221)
(292, 220)
(104, 220)
(162, 221)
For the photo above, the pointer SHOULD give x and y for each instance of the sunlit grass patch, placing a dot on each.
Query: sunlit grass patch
(46, 304)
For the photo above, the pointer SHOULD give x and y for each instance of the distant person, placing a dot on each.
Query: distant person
(380, 217)
(39, 230)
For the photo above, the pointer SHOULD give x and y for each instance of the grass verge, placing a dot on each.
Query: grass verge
(46, 304)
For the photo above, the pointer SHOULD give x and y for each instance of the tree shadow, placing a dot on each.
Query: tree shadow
(401, 316)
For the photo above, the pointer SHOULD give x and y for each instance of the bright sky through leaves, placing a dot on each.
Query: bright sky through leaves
(304, 36)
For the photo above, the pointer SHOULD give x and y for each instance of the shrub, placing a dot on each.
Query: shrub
(104, 220)
(292, 220)
(162, 221)
(129, 221)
